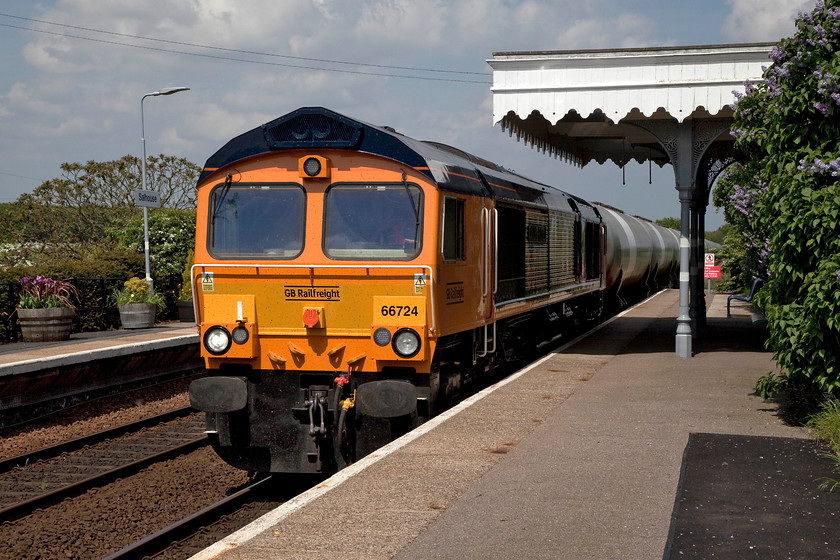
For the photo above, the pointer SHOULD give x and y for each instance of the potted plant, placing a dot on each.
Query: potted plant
(186, 311)
(44, 311)
(137, 304)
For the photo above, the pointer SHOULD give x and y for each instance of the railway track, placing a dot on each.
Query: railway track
(47, 476)
(188, 526)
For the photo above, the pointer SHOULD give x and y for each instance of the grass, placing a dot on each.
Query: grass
(800, 405)
(826, 423)
(826, 427)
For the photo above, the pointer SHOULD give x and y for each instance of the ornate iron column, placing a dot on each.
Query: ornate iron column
(686, 143)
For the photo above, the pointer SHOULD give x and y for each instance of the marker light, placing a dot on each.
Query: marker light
(217, 340)
(314, 167)
(311, 166)
(406, 343)
(382, 336)
(240, 335)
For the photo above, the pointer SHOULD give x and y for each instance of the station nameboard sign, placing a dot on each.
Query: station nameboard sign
(149, 199)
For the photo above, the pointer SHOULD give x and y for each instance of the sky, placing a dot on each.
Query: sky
(74, 72)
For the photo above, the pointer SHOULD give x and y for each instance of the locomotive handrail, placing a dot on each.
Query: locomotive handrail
(485, 268)
(428, 268)
(496, 258)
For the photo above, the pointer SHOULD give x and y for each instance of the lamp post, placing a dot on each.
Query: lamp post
(162, 91)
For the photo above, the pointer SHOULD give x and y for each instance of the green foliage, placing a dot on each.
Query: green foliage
(673, 223)
(826, 423)
(734, 261)
(786, 200)
(41, 291)
(73, 216)
(769, 385)
(826, 427)
(718, 235)
(70, 227)
(136, 290)
(171, 238)
(185, 291)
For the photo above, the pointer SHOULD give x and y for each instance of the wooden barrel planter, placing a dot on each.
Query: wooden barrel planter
(45, 324)
(137, 315)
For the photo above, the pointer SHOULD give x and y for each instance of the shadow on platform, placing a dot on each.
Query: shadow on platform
(754, 497)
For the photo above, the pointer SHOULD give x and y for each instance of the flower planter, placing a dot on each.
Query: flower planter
(45, 324)
(186, 312)
(137, 315)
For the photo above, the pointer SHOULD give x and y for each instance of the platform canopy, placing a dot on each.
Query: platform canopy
(575, 104)
(663, 104)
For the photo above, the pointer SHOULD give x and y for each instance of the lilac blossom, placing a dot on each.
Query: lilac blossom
(744, 199)
(819, 167)
(762, 251)
(778, 54)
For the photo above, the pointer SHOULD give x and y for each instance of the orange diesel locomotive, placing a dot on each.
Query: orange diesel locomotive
(350, 279)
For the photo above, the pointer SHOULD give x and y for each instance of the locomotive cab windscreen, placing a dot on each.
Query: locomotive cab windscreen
(373, 221)
(259, 221)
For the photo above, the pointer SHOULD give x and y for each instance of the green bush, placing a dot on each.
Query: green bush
(171, 238)
(786, 199)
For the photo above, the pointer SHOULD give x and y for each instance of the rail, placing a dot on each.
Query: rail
(55, 450)
(160, 540)
(78, 479)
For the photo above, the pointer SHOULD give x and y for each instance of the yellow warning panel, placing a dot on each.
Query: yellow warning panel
(399, 310)
(225, 308)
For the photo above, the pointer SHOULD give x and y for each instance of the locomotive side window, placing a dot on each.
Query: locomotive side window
(378, 221)
(256, 221)
(453, 229)
(592, 266)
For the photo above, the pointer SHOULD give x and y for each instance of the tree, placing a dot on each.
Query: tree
(786, 200)
(72, 217)
(673, 223)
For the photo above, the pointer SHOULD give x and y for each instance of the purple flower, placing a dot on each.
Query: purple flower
(822, 108)
(777, 54)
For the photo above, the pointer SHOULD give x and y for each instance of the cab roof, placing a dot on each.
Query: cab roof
(451, 169)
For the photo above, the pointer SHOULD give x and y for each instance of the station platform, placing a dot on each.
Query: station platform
(22, 357)
(32, 373)
(608, 447)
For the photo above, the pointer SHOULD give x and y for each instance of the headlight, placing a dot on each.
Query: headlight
(406, 343)
(217, 340)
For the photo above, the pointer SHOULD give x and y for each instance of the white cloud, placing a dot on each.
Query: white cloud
(91, 90)
(24, 100)
(763, 20)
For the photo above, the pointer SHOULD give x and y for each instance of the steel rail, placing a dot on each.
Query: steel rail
(52, 451)
(26, 507)
(186, 527)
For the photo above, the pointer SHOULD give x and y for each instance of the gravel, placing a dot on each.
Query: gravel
(93, 417)
(104, 520)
